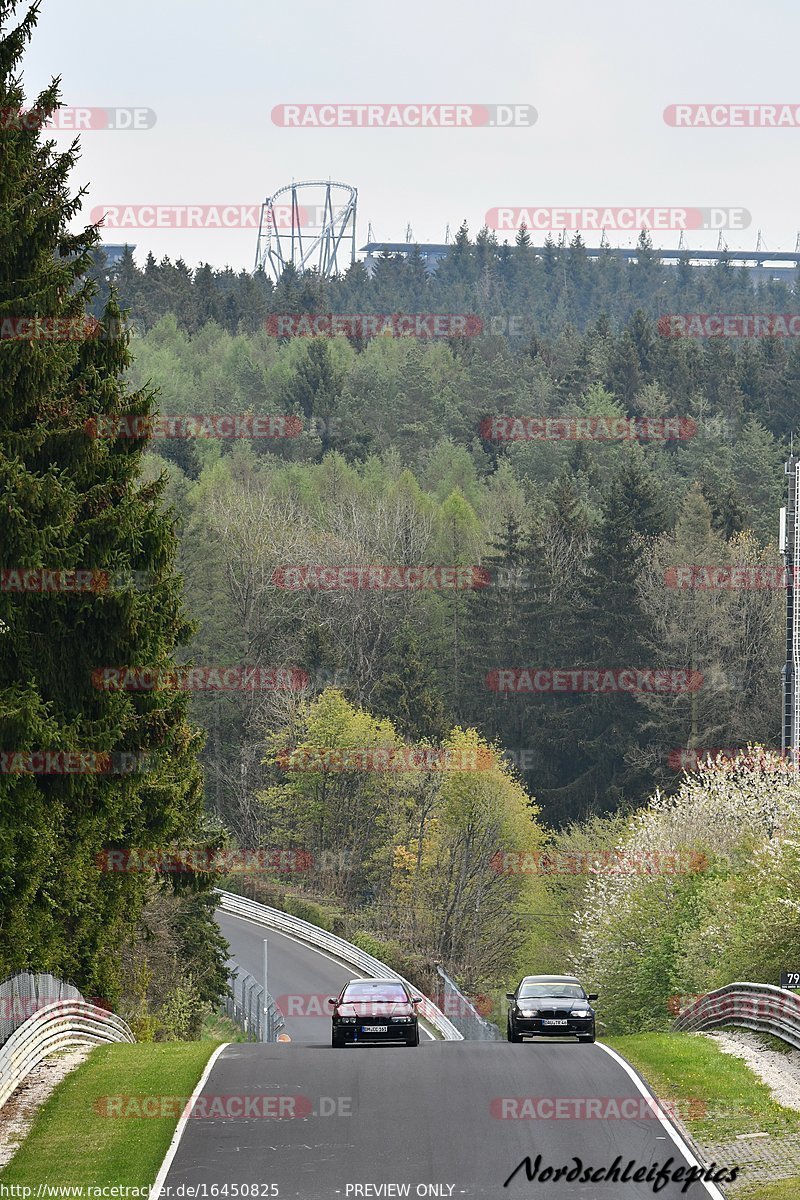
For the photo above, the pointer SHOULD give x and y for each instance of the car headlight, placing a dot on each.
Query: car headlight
(346, 1020)
(529, 1012)
(581, 1012)
(408, 1020)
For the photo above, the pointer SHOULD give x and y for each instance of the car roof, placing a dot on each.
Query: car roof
(550, 979)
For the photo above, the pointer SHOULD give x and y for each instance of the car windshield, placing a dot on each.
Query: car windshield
(566, 991)
(375, 991)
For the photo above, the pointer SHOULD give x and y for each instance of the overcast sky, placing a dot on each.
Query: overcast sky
(599, 77)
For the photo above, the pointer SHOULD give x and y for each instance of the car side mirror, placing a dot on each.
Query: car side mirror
(511, 996)
(416, 1000)
(593, 996)
(331, 1000)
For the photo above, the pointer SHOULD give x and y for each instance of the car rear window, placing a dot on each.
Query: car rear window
(372, 991)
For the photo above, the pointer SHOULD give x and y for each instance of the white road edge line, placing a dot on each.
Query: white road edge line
(685, 1150)
(307, 946)
(172, 1149)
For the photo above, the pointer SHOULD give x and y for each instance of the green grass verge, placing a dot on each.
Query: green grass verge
(784, 1189)
(71, 1143)
(717, 1096)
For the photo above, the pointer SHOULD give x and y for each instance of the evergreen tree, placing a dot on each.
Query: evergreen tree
(73, 501)
(408, 691)
(608, 631)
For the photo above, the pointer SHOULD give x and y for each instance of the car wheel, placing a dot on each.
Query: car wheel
(512, 1035)
(336, 1041)
(588, 1037)
(414, 1041)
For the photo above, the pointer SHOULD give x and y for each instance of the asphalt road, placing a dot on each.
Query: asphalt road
(300, 979)
(417, 1116)
(346, 1123)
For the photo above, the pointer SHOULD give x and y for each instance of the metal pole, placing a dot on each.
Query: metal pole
(265, 1035)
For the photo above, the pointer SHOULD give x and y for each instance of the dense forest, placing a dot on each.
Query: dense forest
(574, 547)
(576, 539)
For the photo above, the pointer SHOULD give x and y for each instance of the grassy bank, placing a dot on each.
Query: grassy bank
(716, 1096)
(71, 1142)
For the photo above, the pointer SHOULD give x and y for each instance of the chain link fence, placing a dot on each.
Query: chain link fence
(464, 1015)
(24, 994)
(246, 1008)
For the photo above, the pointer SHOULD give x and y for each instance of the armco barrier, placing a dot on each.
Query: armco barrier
(472, 1026)
(258, 1020)
(27, 992)
(758, 1006)
(281, 922)
(56, 1027)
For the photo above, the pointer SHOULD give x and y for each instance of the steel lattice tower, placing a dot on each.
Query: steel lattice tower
(308, 224)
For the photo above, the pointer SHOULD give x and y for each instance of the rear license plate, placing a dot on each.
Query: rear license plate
(374, 1028)
(550, 1021)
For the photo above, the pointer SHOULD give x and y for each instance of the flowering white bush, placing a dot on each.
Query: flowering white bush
(643, 937)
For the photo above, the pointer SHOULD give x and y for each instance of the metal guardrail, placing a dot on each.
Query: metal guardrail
(465, 1016)
(27, 992)
(261, 1021)
(758, 1006)
(58, 1026)
(281, 922)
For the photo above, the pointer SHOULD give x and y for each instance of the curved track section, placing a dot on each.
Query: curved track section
(304, 976)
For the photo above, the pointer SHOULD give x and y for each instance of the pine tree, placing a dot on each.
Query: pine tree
(75, 501)
(407, 691)
(594, 734)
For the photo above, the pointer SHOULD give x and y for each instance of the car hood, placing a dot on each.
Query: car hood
(567, 1002)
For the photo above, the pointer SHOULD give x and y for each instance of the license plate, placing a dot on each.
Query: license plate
(374, 1028)
(550, 1021)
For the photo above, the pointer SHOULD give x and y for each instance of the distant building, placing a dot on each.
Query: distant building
(758, 262)
(114, 252)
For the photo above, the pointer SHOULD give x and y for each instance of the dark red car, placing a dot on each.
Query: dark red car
(374, 1011)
